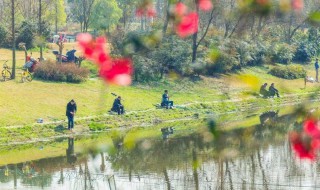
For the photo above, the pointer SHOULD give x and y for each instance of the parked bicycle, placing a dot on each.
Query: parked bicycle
(6, 74)
(26, 75)
(28, 69)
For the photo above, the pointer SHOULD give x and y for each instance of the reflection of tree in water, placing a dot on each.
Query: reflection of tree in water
(173, 154)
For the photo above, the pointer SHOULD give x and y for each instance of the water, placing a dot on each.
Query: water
(256, 157)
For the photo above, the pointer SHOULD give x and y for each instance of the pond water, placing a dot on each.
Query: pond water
(252, 157)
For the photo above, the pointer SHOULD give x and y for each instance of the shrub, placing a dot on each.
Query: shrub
(305, 52)
(145, 69)
(282, 53)
(288, 72)
(224, 63)
(52, 71)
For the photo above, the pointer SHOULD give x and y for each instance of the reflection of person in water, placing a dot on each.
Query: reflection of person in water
(166, 132)
(267, 117)
(71, 156)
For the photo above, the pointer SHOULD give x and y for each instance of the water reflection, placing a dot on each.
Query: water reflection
(71, 156)
(257, 157)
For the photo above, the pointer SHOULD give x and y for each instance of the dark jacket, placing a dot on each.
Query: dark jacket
(116, 104)
(71, 108)
(165, 97)
(272, 90)
(316, 65)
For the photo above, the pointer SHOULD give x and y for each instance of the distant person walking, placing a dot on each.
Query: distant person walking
(70, 112)
(316, 65)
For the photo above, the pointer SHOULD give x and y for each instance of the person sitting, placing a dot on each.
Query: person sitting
(263, 90)
(165, 100)
(117, 106)
(273, 91)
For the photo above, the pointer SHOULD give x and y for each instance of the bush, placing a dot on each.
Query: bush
(288, 72)
(305, 52)
(52, 71)
(145, 69)
(224, 63)
(282, 53)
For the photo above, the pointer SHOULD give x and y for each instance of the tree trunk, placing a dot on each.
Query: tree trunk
(40, 28)
(56, 17)
(13, 30)
(166, 22)
(194, 39)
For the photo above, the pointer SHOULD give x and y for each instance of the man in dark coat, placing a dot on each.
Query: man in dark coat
(165, 100)
(70, 112)
(263, 90)
(273, 91)
(117, 106)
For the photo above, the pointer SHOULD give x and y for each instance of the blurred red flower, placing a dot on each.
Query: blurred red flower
(180, 9)
(297, 5)
(311, 128)
(146, 8)
(119, 73)
(303, 152)
(205, 5)
(114, 71)
(188, 25)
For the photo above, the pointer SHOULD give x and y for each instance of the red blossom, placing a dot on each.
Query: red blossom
(115, 71)
(180, 9)
(146, 8)
(205, 5)
(297, 5)
(263, 2)
(188, 25)
(119, 73)
(311, 128)
(304, 152)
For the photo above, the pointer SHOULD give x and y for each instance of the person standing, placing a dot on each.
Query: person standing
(316, 65)
(70, 112)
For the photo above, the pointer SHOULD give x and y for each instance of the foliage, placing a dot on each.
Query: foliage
(172, 55)
(56, 13)
(145, 69)
(52, 71)
(304, 52)
(288, 72)
(3, 36)
(27, 32)
(106, 14)
(282, 53)
(223, 64)
(93, 69)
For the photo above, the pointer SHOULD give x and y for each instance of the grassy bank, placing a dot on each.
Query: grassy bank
(21, 104)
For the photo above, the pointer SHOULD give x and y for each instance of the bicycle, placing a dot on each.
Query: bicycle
(26, 75)
(6, 74)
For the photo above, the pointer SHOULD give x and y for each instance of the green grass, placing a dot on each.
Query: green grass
(24, 103)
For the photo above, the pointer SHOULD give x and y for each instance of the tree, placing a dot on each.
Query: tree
(13, 33)
(106, 14)
(81, 11)
(128, 7)
(56, 14)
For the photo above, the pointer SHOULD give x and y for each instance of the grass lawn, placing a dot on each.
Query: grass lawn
(24, 103)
